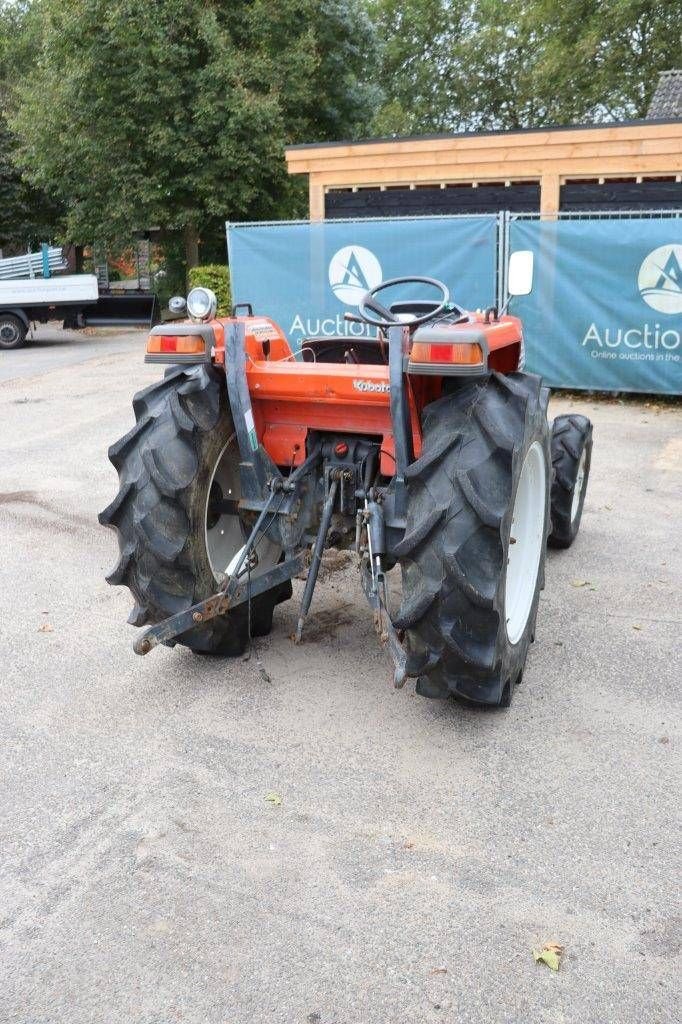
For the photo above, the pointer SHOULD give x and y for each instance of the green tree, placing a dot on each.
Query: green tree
(450, 65)
(175, 113)
(27, 215)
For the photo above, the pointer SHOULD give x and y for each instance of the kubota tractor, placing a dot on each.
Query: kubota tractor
(423, 447)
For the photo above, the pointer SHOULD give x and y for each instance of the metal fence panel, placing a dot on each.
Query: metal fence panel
(307, 275)
(605, 312)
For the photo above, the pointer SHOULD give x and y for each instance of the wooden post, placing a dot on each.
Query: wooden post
(550, 194)
(315, 199)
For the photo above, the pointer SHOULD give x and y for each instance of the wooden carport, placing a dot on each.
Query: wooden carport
(645, 154)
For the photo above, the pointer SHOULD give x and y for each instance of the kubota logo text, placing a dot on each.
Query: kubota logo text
(353, 270)
(660, 279)
(371, 385)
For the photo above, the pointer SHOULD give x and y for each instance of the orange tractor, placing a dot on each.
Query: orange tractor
(423, 447)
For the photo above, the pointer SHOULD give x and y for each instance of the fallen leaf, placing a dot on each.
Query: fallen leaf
(46, 628)
(550, 954)
(274, 799)
(579, 583)
(664, 739)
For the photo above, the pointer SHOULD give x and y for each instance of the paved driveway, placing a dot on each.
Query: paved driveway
(420, 849)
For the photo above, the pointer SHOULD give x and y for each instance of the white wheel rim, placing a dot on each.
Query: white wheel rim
(223, 534)
(527, 529)
(579, 482)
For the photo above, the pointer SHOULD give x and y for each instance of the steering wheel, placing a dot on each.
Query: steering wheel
(370, 302)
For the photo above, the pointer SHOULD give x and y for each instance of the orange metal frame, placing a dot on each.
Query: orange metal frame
(290, 398)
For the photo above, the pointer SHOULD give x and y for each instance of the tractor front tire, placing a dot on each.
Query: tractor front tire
(163, 513)
(473, 553)
(571, 458)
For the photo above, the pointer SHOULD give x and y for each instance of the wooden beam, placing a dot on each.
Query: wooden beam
(455, 173)
(363, 164)
(316, 199)
(590, 138)
(550, 195)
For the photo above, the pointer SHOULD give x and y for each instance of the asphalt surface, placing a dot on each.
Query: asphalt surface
(420, 850)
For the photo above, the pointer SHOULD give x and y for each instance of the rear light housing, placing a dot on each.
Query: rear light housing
(180, 343)
(444, 358)
(190, 344)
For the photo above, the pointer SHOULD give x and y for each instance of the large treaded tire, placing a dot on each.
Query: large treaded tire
(164, 465)
(461, 494)
(571, 436)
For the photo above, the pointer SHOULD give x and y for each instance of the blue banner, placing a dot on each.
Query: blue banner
(605, 312)
(306, 276)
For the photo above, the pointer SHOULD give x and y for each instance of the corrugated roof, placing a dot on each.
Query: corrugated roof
(667, 99)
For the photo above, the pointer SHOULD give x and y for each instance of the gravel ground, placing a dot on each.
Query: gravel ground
(420, 849)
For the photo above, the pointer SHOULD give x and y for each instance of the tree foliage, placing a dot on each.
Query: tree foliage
(175, 113)
(468, 64)
(27, 214)
(215, 276)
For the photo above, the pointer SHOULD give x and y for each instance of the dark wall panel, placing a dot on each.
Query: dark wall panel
(622, 195)
(406, 202)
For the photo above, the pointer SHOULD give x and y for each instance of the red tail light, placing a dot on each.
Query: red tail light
(188, 344)
(462, 353)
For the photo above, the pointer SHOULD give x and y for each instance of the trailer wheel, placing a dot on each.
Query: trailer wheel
(13, 331)
(176, 510)
(571, 458)
(473, 553)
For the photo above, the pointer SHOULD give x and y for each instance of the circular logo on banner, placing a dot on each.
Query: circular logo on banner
(660, 279)
(353, 270)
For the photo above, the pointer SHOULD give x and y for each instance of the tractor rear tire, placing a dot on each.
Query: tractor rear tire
(473, 553)
(571, 458)
(13, 331)
(162, 512)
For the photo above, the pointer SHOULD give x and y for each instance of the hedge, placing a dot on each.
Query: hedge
(216, 277)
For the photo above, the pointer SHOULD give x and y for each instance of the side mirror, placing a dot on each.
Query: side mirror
(177, 305)
(520, 276)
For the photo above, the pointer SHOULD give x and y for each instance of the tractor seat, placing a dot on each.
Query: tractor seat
(418, 307)
(366, 351)
(343, 349)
